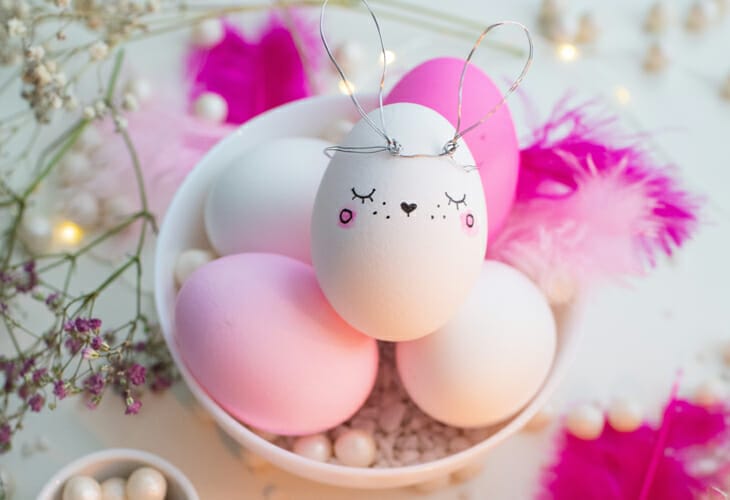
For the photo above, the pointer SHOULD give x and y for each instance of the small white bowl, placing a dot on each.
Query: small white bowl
(119, 462)
(183, 229)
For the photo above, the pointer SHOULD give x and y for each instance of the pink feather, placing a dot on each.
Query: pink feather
(255, 76)
(587, 210)
(646, 464)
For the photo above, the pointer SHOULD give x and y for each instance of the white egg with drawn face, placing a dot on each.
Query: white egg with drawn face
(398, 242)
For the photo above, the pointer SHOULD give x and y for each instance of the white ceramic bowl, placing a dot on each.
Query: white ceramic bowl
(183, 228)
(120, 462)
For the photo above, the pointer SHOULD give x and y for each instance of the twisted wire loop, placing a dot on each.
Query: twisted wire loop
(392, 145)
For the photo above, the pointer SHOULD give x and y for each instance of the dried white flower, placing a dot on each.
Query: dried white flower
(98, 51)
(16, 28)
(56, 102)
(120, 123)
(35, 53)
(42, 75)
(129, 102)
(60, 79)
(89, 113)
(100, 107)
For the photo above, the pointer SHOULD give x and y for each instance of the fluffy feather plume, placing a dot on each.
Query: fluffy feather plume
(587, 210)
(681, 459)
(255, 76)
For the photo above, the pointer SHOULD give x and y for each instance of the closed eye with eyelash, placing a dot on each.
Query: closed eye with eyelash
(456, 202)
(362, 198)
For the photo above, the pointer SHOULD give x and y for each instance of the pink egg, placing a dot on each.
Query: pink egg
(258, 335)
(435, 84)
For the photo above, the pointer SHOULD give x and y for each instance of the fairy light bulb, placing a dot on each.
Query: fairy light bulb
(68, 234)
(567, 52)
(622, 94)
(346, 87)
(389, 57)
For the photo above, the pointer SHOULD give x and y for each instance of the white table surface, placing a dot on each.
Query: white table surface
(636, 337)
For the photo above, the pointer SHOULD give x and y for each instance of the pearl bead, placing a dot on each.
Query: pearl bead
(709, 393)
(140, 88)
(74, 169)
(656, 58)
(625, 415)
(114, 488)
(587, 29)
(211, 107)
(585, 421)
(115, 209)
(146, 483)
(83, 208)
(541, 419)
(207, 33)
(355, 448)
(316, 447)
(657, 19)
(189, 261)
(36, 232)
(698, 17)
(82, 488)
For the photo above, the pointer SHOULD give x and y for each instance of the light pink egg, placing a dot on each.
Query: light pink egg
(435, 84)
(258, 335)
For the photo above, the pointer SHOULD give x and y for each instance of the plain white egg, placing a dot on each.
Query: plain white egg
(398, 242)
(490, 359)
(114, 488)
(263, 201)
(81, 488)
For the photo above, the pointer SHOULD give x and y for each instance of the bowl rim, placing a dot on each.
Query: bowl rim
(336, 474)
(171, 472)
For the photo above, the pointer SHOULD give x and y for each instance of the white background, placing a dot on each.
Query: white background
(636, 337)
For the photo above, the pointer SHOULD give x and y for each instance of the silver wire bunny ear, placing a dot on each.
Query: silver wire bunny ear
(391, 144)
(458, 133)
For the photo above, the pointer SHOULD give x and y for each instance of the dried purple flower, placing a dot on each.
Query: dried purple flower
(36, 402)
(81, 325)
(96, 343)
(53, 300)
(133, 406)
(27, 365)
(59, 389)
(69, 327)
(73, 345)
(89, 353)
(94, 384)
(39, 374)
(136, 374)
(94, 323)
(5, 434)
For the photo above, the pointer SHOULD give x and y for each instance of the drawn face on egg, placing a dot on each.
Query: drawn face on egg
(397, 242)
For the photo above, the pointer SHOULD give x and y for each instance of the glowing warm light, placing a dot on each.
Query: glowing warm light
(68, 233)
(346, 87)
(623, 96)
(567, 52)
(389, 57)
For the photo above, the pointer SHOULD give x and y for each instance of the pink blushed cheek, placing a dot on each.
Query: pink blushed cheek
(346, 217)
(469, 223)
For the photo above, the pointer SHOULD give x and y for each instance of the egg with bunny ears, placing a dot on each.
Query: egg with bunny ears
(398, 239)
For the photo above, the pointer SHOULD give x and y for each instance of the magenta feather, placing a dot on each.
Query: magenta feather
(255, 76)
(646, 464)
(588, 209)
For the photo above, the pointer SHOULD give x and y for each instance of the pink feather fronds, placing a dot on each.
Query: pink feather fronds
(684, 458)
(587, 209)
(254, 76)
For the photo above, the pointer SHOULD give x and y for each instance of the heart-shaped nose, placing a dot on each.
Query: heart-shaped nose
(408, 207)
